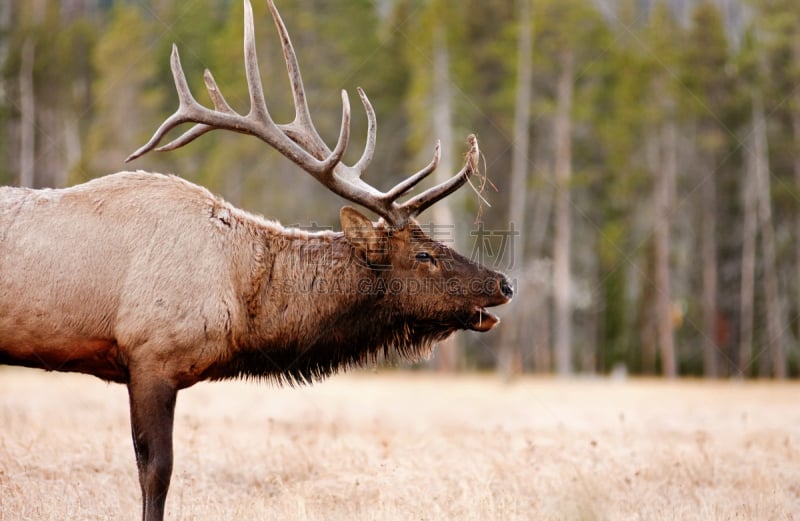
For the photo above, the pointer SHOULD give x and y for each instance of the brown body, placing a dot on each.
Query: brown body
(152, 281)
(140, 268)
(95, 273)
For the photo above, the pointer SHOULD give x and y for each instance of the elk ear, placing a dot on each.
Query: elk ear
(362, 234)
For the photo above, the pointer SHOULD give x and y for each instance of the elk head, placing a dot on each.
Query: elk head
(425, 281)
(429, 282)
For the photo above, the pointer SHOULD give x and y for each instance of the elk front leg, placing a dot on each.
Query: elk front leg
(152, 404)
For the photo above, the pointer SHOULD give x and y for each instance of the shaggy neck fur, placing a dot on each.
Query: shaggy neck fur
(316, 310)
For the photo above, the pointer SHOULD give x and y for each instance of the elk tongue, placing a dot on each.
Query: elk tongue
(483, 321)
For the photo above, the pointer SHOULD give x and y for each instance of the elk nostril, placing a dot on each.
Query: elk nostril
(505, 288)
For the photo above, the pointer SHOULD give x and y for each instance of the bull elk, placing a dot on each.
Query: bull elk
(151, 281)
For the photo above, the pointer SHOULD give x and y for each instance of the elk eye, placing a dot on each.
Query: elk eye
(424, 256)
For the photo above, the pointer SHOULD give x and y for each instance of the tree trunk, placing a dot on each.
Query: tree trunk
(5, 26)
(664, 189)
(562, 307)
(449, 354)
(72, 148)
(709, 260)
(538, 275)
(796, 126)
(510, 359)
(795, 107)
(648, 300)
(27, 109)
(749, 236)
(774, 309)
(539, 223)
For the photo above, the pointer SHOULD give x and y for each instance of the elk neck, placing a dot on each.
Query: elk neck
(305, 315)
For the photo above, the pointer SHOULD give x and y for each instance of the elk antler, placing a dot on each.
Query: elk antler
(299, 140)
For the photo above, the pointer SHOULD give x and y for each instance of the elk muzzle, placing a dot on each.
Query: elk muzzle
(482, 320)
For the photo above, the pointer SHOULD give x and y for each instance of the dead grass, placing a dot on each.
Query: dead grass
(416, 447)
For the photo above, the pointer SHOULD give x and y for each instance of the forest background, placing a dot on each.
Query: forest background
(646, 153)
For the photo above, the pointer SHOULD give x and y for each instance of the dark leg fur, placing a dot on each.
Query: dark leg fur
(152, 411)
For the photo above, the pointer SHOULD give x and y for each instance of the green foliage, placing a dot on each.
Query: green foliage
(127, 94)
(706, 76)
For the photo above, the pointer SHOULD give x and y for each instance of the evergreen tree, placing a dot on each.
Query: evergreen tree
(128, 97)
(708, 89)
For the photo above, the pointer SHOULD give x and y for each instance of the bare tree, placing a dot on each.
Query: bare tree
(796, 163)
(664, 188)
(449, 354)
(27, 109)
(708, 234)
(775, 320)
(5, 25)
(510, 359)
(562, 279)
(749, 236)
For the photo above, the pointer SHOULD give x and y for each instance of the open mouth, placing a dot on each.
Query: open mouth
(482, 320)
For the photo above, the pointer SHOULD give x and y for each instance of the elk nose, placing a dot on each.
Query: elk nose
(505, 287)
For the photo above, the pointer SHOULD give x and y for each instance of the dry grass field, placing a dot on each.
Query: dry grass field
(400, 446)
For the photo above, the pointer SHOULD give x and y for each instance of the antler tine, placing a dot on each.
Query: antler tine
(258, 106)
(420, 203)
(220, 105)
(302, 129)
(185, 102)
(407, 184)
(302, 115)
(335, 157)
(372, 131)
(215, 94)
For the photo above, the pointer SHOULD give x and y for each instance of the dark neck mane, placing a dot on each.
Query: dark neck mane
(313, 316)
